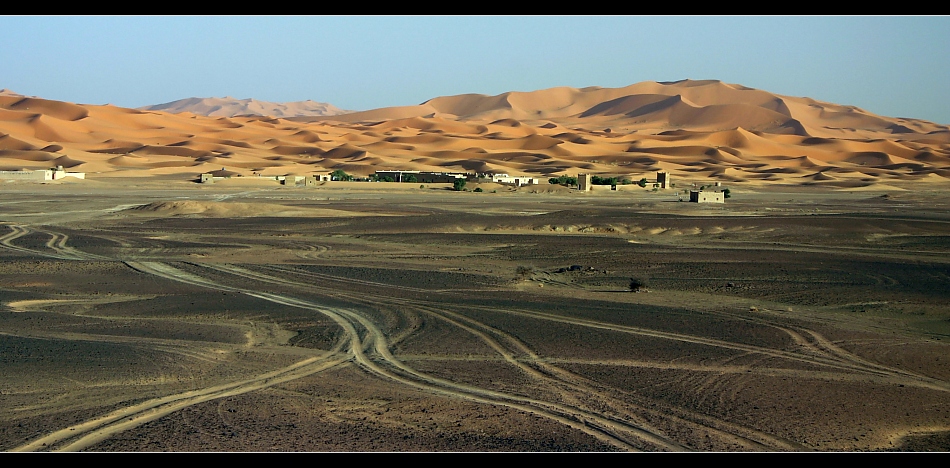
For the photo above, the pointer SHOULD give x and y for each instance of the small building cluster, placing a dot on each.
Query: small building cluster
(451, 177)
(517, 181)
(423, 177)
(585, 182)
(289, 179)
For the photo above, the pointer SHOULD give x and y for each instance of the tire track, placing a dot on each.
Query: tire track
(574, 386)
(822, 356)
(310, 251)
(19, 231)
(88, 433)
(570, 386)
(817, 356)
(58, 244)
(818, 344)
(601, 427)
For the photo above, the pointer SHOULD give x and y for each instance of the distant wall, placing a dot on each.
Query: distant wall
(26, 175)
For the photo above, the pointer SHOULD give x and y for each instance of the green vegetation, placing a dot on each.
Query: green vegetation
(594, 180)
(478, 189)
(339, 174)
(597, 180)
(642, 182)
(379, 178)
(563, 180)
(459, 185)
(725, 193)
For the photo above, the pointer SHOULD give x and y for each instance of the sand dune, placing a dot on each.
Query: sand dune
(700, 130)
(28, 155)
(230, 107)
(55, 109)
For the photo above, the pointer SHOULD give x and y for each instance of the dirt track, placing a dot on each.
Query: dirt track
(763, 329)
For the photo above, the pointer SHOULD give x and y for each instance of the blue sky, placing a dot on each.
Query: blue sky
(897, 66)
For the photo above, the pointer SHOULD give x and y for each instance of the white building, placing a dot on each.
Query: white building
(517, 181)
(56, 173)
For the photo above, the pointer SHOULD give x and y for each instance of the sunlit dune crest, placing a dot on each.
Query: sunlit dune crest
(695, 129)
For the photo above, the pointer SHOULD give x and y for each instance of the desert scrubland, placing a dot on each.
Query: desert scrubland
(142, 311)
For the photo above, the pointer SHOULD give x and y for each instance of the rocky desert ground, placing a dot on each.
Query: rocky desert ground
(165, 315)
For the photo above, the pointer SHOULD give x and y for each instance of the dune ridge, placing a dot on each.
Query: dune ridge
(699, 130)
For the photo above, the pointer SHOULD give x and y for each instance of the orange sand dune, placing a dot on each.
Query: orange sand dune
(55, 109)
(699, 130)
(28, 155)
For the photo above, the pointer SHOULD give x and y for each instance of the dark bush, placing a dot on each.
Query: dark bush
(637, 284)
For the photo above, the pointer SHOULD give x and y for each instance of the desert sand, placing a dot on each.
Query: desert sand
(693, 129)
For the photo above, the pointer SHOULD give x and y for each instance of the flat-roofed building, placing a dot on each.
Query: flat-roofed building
(702, 196)
(290, 179)
(517, 181)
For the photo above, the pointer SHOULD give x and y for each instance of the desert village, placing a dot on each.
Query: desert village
(585, 182)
